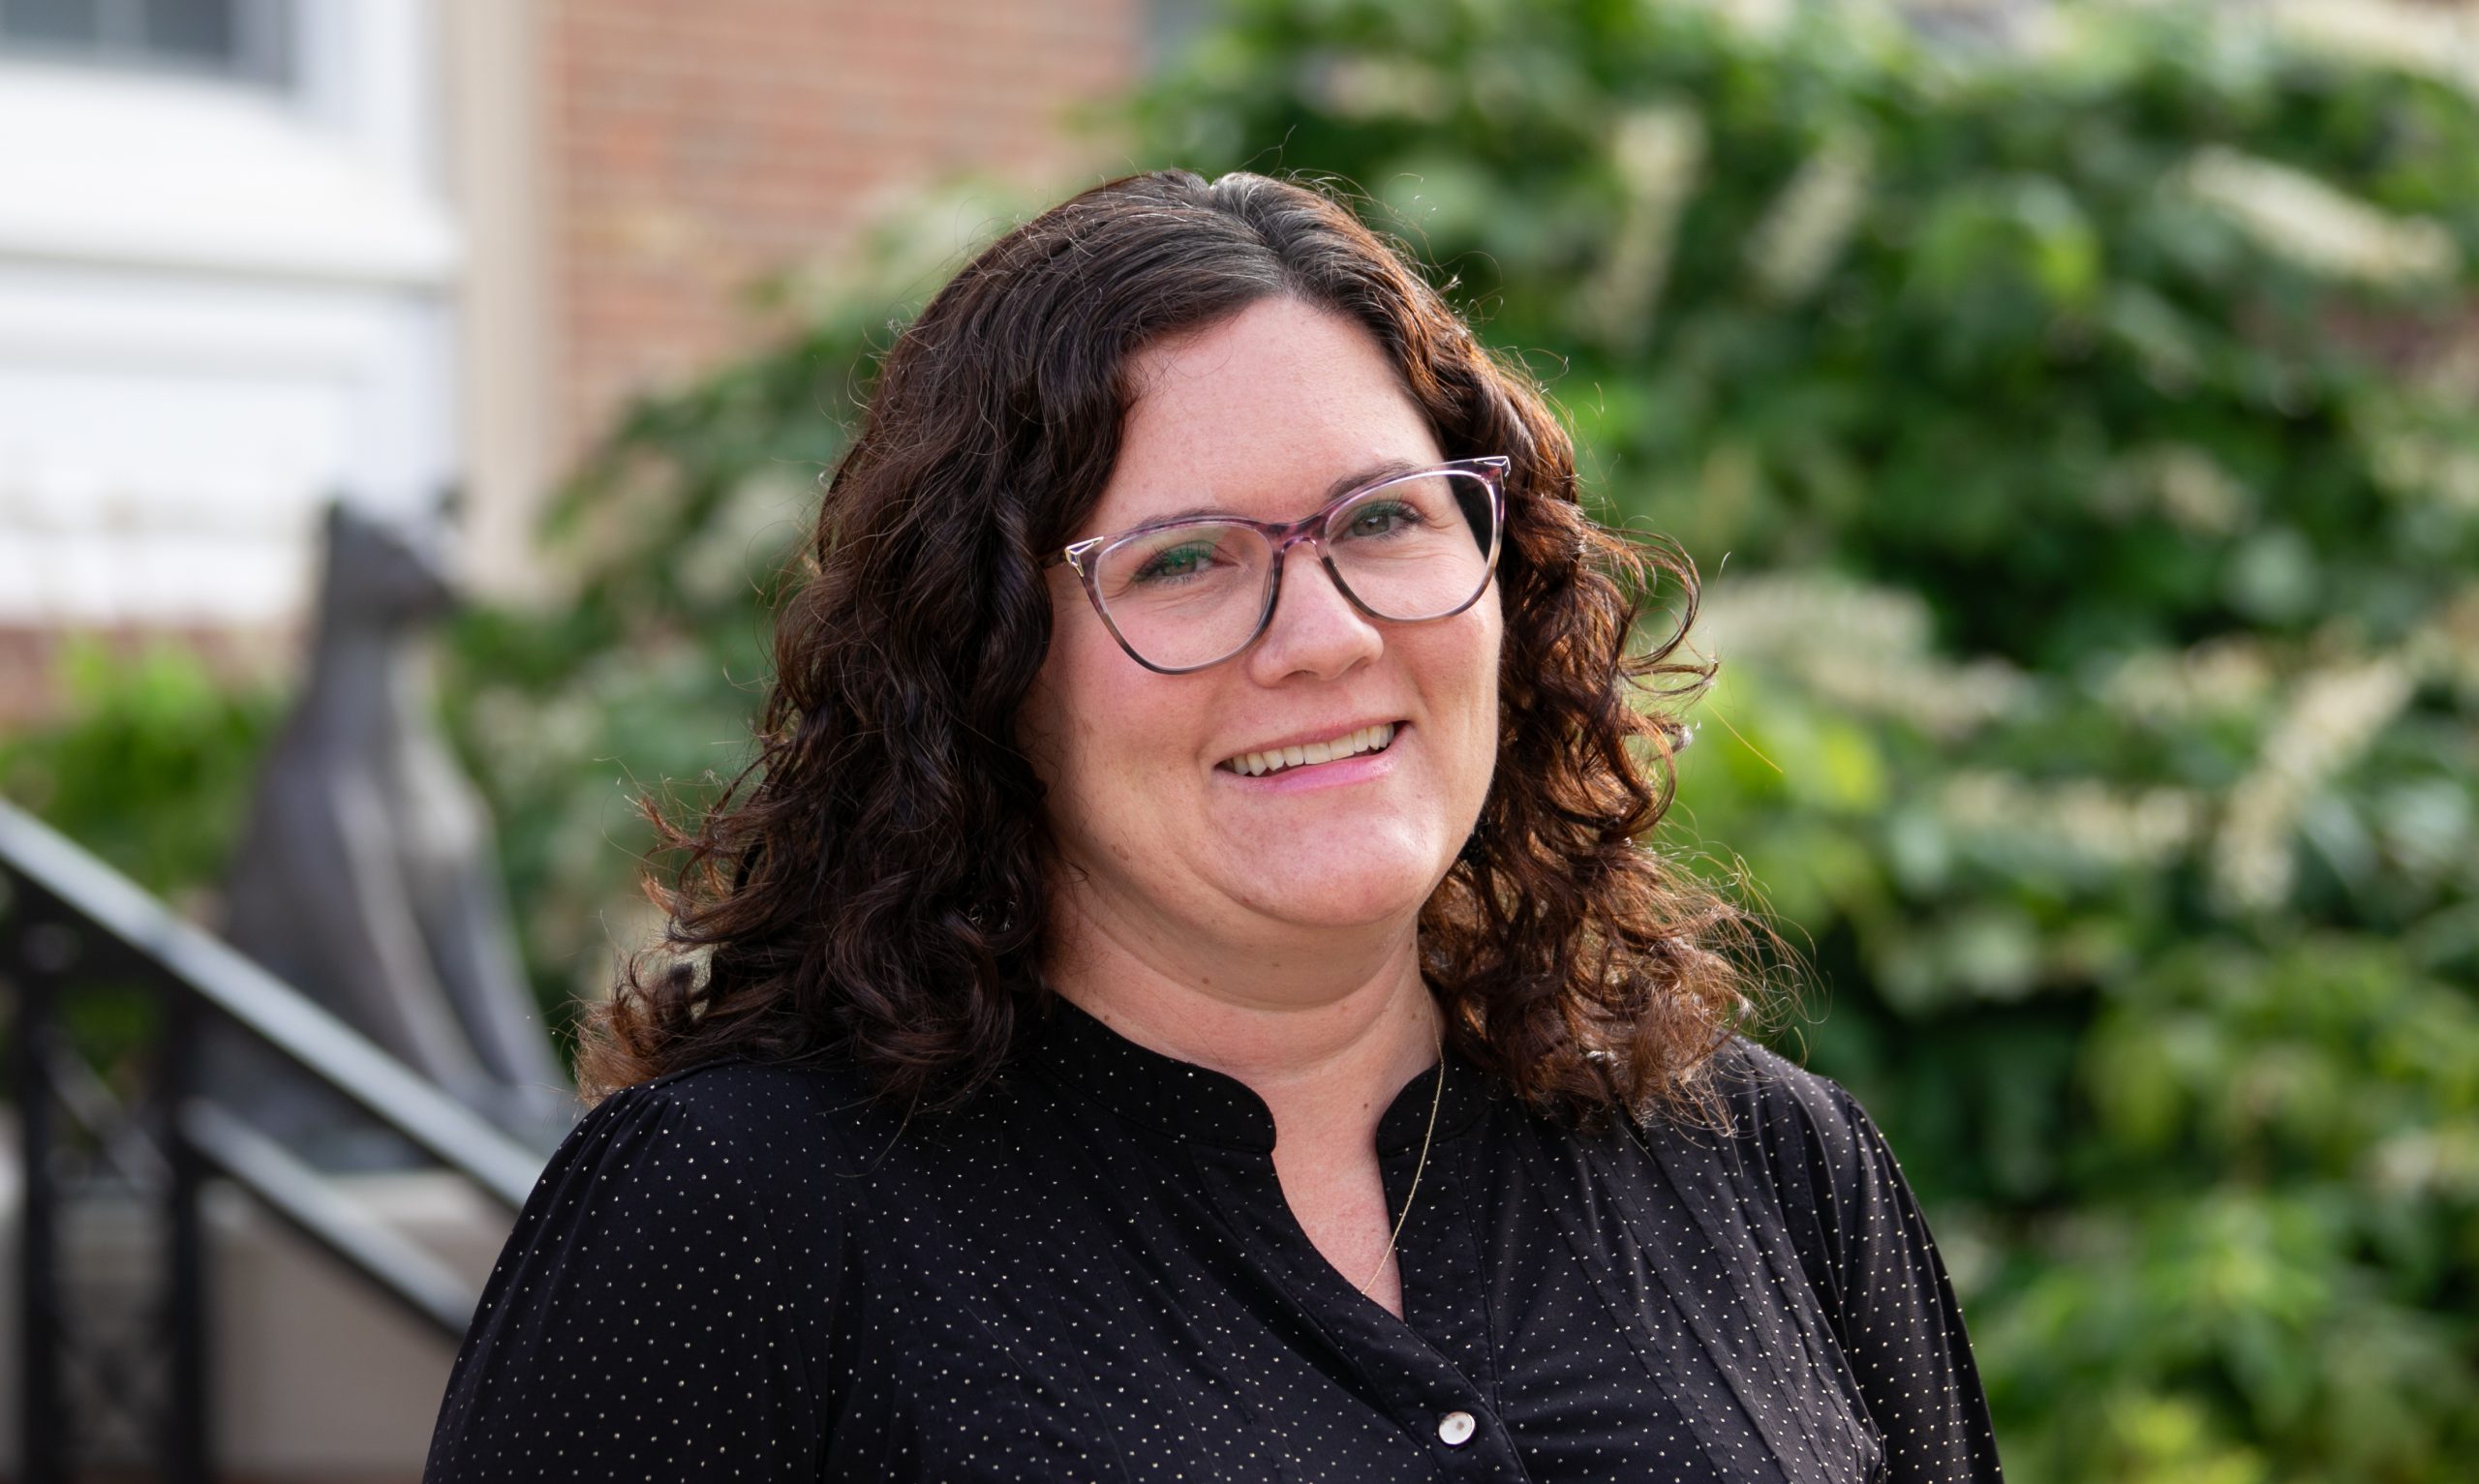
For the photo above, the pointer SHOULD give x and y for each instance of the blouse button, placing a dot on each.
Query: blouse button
(1455, 1428)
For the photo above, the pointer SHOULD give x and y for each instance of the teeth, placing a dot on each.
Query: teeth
(1258, 763)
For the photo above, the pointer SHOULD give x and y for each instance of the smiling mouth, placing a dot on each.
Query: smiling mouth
(1257, 764)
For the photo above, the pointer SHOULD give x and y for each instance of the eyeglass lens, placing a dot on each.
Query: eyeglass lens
(1411, 549)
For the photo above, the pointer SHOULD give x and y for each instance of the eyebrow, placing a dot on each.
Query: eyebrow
(1384, 469)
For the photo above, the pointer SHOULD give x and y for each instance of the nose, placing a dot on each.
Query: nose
(1314, 630)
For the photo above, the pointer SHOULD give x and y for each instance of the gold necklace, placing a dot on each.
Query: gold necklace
(1436, 1094)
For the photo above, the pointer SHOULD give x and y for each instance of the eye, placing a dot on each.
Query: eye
(1383, 516)
(1174, 563)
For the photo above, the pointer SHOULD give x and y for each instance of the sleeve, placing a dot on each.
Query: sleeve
(638, 1324)
(1892, 1306)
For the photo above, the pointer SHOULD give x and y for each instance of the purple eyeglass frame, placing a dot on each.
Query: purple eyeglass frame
(1283, 535)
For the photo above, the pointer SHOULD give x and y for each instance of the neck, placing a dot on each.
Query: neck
(1325, 1036)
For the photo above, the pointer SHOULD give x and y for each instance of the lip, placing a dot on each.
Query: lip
(1359, 768)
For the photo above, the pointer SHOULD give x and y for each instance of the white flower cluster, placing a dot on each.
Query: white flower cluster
(2413, 461)
(2335, 712)
(1660, 154)
(1802, 234)
(2296, 216)
(743, 544)
(2169, 688)
(2120, 827)
(1360, 85)
(1755, 19)
(2422, 444)
(2428, 40)
(2179, 480)
(2429, 1163)
(1867, 649)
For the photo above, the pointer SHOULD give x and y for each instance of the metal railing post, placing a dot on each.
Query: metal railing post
(68, 922)
(42, 1443)
(188, 1445)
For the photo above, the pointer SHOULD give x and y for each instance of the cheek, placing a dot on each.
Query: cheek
(1061, 721)
(1103, 729)
(1471, 658)
(1473, 699)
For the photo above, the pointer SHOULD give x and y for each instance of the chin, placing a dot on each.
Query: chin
(1367, 893)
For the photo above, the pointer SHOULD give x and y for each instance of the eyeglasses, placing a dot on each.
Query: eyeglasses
(1191, 591)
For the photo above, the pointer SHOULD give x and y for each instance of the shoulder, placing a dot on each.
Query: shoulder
(741, 1132)
(671, 1280)
(1766, 1090)
(758, 1100)
(1809, 1144)
(1800, 1130)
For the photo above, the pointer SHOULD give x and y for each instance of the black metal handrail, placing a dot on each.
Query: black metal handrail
(67, 919)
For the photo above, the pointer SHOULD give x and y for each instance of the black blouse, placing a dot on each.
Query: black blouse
(746, 1272)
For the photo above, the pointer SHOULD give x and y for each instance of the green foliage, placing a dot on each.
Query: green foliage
(2093, 462)
(151, 766)
(151, 770)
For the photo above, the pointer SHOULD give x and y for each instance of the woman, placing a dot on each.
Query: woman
(1184, 999)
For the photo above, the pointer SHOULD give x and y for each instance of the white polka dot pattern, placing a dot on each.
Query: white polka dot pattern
(745, 1272)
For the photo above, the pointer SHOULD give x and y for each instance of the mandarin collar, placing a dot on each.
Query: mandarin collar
(1190, 1101)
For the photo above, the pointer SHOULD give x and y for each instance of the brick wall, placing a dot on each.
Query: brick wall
(693, 146)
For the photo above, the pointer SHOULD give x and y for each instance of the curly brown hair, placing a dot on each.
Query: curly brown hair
(872, 884)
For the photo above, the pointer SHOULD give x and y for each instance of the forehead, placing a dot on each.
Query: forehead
(1258, 414)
